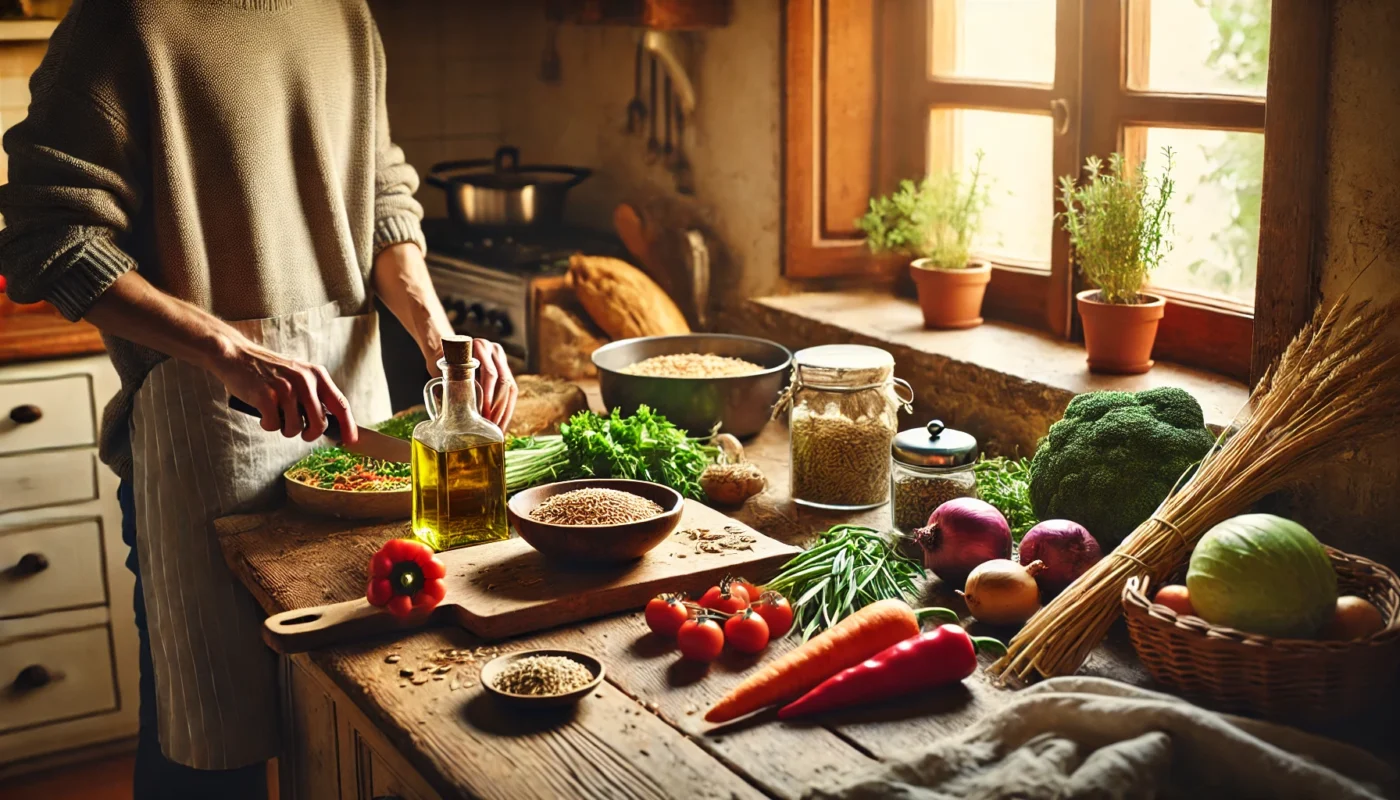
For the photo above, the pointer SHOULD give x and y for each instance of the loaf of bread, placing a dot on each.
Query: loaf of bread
(544, 404)
(566, 344)
(622, 300)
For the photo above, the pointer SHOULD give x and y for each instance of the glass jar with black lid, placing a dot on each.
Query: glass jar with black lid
(929, 466)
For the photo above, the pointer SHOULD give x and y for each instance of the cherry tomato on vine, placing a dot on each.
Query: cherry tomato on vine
(776, 611)
(700, 639)
(666, 613)
(728, 597)
(749, 588)
(746, 632)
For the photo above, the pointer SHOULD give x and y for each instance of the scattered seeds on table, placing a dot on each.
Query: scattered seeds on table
(406, 672)
(392, 658)
(707, 541)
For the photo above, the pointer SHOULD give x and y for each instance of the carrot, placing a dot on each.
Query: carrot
(843, 645)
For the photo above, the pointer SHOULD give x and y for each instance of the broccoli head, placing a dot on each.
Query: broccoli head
(1114, 457)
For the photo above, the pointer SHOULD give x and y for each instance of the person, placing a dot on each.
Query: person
(213, 185)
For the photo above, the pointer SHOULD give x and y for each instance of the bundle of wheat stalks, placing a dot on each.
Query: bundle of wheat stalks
(1337, 384)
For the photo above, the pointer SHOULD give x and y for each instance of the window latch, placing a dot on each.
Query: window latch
(1059, 112)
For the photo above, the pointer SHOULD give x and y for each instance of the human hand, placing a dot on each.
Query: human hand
(292, 396)
(495, 383)
(496, 390)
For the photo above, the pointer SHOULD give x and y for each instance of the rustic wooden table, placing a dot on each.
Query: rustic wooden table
(354, 728)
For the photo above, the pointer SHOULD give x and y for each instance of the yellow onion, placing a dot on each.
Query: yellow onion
(1002, 592)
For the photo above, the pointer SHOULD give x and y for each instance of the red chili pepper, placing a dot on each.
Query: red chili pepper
(405, 576)
(938, 657)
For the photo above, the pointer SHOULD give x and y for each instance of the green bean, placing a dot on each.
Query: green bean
(847, 568)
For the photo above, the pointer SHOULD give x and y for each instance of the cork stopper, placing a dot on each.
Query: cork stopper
(457, 350)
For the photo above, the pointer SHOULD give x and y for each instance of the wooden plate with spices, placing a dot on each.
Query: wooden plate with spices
(533, 670)
(335, 483)
(608, 542)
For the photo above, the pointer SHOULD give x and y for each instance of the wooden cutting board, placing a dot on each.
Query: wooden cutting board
(507, 588)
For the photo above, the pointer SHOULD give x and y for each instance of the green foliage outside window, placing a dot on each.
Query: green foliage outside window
(1240, 54)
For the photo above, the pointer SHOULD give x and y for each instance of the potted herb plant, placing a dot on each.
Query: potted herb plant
(1119, 226)
(933, 222)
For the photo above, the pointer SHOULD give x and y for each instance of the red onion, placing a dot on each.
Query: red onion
(961, 534)
(1067, 549)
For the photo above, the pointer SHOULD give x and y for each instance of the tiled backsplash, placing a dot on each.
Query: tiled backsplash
(445, 91)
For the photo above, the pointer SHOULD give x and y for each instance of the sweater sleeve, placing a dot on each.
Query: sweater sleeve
(74, 178)
(397, 216)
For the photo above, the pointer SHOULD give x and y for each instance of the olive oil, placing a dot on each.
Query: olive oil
(459, 460)
(459, 497)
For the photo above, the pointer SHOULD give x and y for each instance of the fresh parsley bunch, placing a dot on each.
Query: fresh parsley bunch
(645, 446)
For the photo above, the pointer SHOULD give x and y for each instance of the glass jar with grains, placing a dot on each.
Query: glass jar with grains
(930, 466)
(843, 399)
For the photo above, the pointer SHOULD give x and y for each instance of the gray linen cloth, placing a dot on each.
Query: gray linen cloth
(1096, 738)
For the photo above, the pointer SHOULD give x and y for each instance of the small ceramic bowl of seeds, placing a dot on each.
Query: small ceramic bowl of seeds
(542, 678)
(596, 520)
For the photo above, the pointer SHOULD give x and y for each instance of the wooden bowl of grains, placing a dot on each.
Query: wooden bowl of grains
(598, 520)
(542, 678)
(696, 380)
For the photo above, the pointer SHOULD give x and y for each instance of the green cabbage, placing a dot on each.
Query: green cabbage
(1262, 574)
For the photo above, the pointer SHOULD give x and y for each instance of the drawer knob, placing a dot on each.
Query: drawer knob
(34, 676)
(25, 414)
(29, 564)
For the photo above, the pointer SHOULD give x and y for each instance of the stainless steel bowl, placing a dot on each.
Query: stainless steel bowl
(740, 404)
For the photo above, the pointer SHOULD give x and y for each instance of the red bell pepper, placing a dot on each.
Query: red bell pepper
(405, 576)
(938, 657)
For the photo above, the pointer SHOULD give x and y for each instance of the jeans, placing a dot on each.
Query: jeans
(157, 777)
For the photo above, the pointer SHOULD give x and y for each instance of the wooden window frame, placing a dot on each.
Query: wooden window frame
(846, 137)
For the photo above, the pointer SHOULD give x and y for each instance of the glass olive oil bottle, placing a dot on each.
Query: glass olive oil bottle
(459, 472)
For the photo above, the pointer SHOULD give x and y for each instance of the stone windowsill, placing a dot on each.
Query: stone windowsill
(1004, 383)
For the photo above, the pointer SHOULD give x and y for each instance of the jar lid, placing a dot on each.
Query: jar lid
(843, 356)
(934, 446)
(841, 367)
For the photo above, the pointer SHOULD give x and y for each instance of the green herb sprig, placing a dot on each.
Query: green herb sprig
(935, 218)
(1005, 483)
(1119, 224)
(847, 568)
(645, 446)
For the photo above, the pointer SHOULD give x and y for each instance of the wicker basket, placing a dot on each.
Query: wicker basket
(1295, 680)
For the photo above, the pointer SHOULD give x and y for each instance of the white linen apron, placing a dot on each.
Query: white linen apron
(195, 460)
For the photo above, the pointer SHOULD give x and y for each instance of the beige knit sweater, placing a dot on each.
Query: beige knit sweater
(234, 152)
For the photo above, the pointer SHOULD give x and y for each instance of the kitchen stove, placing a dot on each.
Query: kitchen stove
(490, 280)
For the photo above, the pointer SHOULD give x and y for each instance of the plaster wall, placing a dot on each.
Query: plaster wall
(1354, 504)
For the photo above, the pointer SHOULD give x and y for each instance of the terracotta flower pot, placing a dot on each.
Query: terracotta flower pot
(951, 298)
(1119, 337)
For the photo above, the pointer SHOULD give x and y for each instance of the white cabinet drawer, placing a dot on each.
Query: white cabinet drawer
(48, 568)
(36, 480)
(47, 414)
(54, 678)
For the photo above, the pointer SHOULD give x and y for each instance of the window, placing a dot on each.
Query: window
(905, 86)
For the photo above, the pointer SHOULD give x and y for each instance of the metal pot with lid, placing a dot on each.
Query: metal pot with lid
(500, 192)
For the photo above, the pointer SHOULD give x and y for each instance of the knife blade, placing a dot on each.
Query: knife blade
(372, 443)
